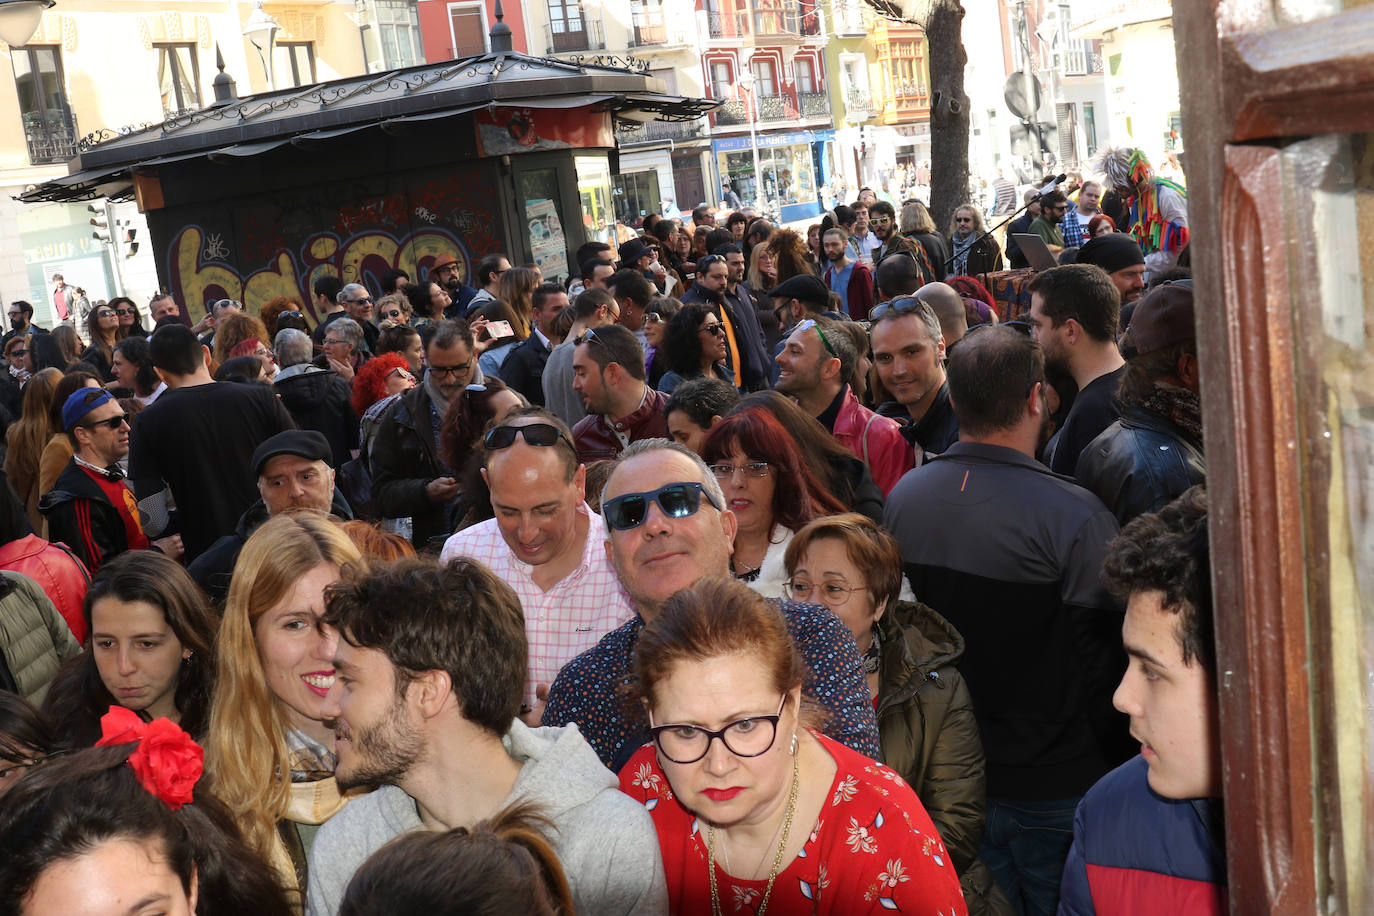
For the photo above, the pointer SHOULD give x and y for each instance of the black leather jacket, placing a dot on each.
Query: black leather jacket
(1140, 463)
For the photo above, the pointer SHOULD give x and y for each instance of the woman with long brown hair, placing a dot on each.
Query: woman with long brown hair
(790, 256)
(25, 441)
(102, 328)
(517, 291)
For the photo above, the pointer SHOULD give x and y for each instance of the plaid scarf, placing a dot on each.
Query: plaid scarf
(1181, 406)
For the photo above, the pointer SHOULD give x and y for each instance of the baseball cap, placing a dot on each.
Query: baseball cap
(306, 443)
(76, 407)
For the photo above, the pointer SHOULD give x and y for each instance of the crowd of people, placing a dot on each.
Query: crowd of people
(747, 572)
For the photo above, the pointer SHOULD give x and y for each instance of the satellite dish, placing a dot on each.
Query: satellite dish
(1014, 94)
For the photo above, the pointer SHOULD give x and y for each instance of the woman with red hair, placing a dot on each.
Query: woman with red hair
(984, 309)
(769, 488)
(378, 382)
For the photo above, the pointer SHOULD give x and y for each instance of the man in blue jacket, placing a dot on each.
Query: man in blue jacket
(1148, 837)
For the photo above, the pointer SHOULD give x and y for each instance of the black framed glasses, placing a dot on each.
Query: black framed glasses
(748, 737)
(715, 330)
(113, 423)
(105, 313)
(810, 323)
(392, 313)
(903, 305)
(362, 300)
(450, 370)
(19, 351)
(542, 435)
(676, 500)
(125, 312)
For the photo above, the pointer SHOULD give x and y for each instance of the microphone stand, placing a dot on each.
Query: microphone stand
(1011, 216)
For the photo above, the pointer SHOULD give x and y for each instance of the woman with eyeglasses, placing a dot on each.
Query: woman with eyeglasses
(102, 329)
(756, 809)
(130, 321)
(269, 753)
(852, 566)
(27, 740)
(151, 649)
(769, 489)
(393, 310)
(693, 346)
(973, 252)
(656, 319)
(428, 300)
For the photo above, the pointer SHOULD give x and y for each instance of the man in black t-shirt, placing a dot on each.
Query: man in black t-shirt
(1075, 310)
(197, 441)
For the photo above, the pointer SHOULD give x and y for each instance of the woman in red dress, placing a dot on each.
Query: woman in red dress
(756, 813)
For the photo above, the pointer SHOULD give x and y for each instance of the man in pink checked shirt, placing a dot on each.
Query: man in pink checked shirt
(546, 543)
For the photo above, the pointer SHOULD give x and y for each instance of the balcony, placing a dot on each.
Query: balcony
(859, 104)
(50, 138)
(911, 95)
(559, 38)
(1080, 60)
(729, 24)
(659, 35)
(731, 113)
(777, 19)
(814, 104)
(658, 131)
(847, 19)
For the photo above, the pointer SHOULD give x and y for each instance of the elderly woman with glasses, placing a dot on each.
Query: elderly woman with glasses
(756, 810)
(973, 252)
(770, 490)
(693, 346)
(853, 567)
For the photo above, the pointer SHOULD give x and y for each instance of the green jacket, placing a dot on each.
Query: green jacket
(34, 639)
(928, 734)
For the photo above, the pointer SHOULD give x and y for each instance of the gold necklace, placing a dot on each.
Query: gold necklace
(777, 859)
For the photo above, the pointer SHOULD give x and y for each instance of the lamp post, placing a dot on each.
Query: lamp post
(19, 20)
(261, 30)
(746, 82)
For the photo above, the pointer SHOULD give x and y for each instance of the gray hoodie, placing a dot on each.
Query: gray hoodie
(605, 840)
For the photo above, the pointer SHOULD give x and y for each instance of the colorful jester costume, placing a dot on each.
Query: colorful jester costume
(1158, 206)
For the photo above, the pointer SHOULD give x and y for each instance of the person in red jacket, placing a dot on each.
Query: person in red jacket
(58, 571)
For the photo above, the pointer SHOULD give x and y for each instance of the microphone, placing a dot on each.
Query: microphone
(1053, 183)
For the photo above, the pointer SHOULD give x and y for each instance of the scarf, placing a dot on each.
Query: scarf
(1182, 407)
(962, 248)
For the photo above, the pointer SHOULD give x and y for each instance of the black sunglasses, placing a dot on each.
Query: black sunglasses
(113, 423)
(544, 435)
(392, 313)
(124, 312)
(677, 500)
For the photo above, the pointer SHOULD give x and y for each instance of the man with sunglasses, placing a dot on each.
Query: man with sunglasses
(409, 477)
(883, 219)
(91, 508)
(546, 543)
(609, 374)
(359, 305)
(814, 366)
(21, 323)
(745, 350)
(1053, 206)
(1042, 634)
(668, 528)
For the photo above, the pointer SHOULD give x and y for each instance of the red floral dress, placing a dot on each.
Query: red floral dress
(872, 850)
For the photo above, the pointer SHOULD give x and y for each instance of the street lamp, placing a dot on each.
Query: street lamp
(261, 30)
(746, 82)
(19, 20)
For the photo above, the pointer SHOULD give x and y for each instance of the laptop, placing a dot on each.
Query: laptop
(1038, 254)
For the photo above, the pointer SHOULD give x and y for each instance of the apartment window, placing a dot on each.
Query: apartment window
(765, 77)
(295, 63)
(178, 77)
(647, 16)
(391, 34)
(908, 69)
(569, 27)
(720, 80)
(806, 76)
(467, 23)
(48, 126)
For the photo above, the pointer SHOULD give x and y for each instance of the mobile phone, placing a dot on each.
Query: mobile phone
(498, 329)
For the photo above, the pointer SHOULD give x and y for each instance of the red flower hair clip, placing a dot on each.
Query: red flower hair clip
(167, 762)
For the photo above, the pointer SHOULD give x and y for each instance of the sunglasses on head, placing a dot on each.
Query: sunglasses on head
(676, 500)
(906, 305)
(544, 435)
(810, 323)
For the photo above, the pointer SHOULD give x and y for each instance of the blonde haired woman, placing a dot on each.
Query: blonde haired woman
(270, 754)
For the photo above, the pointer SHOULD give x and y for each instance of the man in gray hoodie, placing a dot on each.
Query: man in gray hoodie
(429, 677)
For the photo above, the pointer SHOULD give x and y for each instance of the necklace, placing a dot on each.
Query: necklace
(777, 859)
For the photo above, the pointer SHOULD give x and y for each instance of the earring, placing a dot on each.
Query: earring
(793, 749)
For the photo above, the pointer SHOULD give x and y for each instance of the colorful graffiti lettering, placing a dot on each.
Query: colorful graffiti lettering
(195, 279)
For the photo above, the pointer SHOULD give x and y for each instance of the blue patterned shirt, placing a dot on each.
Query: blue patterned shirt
(593, 689)
(1075, 231)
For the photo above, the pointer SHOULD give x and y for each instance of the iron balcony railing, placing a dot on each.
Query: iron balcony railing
(51, 138)
(657, 131)
(583, 34)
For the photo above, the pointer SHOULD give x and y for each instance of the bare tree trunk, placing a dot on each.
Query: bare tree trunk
(949, 110)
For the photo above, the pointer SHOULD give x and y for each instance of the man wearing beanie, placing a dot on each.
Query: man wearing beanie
(1154, 452)
(91, 508)
(1119, 255)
